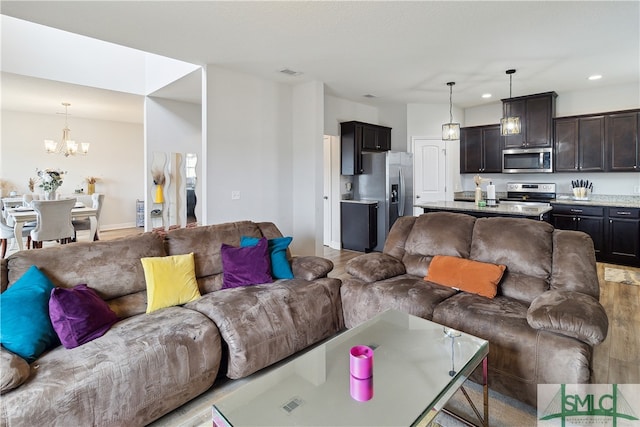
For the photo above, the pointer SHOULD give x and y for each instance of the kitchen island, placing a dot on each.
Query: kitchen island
(510, 210)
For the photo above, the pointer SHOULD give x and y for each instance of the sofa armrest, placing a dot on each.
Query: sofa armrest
(14, 370)
(569, 313)
(375, 266)
(310, 267)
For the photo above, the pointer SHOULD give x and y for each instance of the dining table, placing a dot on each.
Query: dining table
(19, 216)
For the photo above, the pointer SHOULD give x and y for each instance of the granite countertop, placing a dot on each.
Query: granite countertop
(511, 209)
(567, 198)
(361, 201)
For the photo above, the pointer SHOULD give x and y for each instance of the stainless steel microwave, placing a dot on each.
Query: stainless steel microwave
(527, 160)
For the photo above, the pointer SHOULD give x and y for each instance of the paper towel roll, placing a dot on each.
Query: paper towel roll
(491, 192)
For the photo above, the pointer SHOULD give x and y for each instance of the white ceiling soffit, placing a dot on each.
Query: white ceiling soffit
(47, 53)
(41, 96)
(400, 51)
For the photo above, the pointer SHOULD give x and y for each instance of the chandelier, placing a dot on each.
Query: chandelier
(510, 125)
(67, 147)
(450, 131)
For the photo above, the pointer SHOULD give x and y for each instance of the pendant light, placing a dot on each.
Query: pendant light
(510, 125)
(450, 131)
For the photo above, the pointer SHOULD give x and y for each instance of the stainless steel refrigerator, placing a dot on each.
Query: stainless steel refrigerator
(388, 179)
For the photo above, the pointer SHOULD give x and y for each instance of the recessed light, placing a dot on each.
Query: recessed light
(595, 77)
(486, 95)
(369, 95)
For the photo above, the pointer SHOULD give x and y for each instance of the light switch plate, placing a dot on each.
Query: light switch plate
(235, 195)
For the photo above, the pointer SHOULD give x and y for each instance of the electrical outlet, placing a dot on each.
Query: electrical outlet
(235, 195)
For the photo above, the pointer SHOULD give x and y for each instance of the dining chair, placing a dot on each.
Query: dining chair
(6, 232)
(85, 223)
(54, 221)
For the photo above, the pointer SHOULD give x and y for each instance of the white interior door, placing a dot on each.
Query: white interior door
(326, 239)
(430, 170)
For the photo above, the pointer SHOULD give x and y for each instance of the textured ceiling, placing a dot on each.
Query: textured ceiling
(402, 52)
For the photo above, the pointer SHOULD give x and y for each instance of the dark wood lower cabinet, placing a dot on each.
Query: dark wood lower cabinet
(589, 219)
(615, 231)
(359, 226)
(623, 235)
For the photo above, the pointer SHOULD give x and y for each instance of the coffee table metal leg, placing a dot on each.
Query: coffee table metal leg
(485, 390)
(484, 421)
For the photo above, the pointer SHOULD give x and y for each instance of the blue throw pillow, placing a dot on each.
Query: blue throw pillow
(280, 267)
(25, 327)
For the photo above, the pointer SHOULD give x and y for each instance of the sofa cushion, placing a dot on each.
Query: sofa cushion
(411, 294)
(574, 263)
(466, 275)
(112, 268)
(245, 266)
(280, 267)
(79, 315)
(569, 313)
(14, 370)
(206, 241)
(509, 343)
(171, 280)
(525, 246)
(375, 266)
(143, 367)
(310, 267)
(260, 330)
(25, 327)
(437, 233)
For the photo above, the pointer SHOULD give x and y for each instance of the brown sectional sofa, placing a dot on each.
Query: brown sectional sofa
(545, 319)
(149, 364)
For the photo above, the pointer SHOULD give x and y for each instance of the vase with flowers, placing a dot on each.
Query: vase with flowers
(91, 184)
(50, 180)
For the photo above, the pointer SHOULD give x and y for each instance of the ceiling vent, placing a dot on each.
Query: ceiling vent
(290, 72)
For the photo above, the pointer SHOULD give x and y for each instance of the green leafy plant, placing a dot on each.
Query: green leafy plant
(50, 179)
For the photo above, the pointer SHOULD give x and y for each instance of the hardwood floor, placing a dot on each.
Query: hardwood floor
(616, 360)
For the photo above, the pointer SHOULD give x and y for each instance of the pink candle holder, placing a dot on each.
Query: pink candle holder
(361, 390)
(361, 362)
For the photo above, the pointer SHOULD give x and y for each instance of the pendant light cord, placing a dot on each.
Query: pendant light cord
(450, 103)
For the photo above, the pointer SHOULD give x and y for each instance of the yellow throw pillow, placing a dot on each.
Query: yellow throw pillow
(171, 280)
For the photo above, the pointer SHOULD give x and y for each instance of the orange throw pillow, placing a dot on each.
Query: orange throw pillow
(466, 275)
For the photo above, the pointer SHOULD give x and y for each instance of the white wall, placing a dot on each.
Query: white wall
(395, 116)
(115, 156)
(307, 166)
(425, 120)
(172, 127)
(249, 149)
(338, 110)
(597, 100)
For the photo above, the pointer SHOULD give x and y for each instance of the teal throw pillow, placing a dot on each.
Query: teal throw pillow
(25, 327)
(280, 267)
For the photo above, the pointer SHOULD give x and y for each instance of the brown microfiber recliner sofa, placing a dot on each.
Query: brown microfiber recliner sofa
(545, 319)
(146, 365)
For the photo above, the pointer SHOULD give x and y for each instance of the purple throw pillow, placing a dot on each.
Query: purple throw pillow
(79, 315)
(245, 266)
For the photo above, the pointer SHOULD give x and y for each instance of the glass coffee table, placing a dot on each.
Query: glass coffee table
(417, 366)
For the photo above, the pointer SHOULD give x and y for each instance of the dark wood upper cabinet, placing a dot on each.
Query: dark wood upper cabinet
(480, 149)
(623, 151)
(536, 114)
(356, 137)
(579, 144)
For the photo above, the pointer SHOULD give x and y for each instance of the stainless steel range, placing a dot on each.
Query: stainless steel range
(531, 193)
